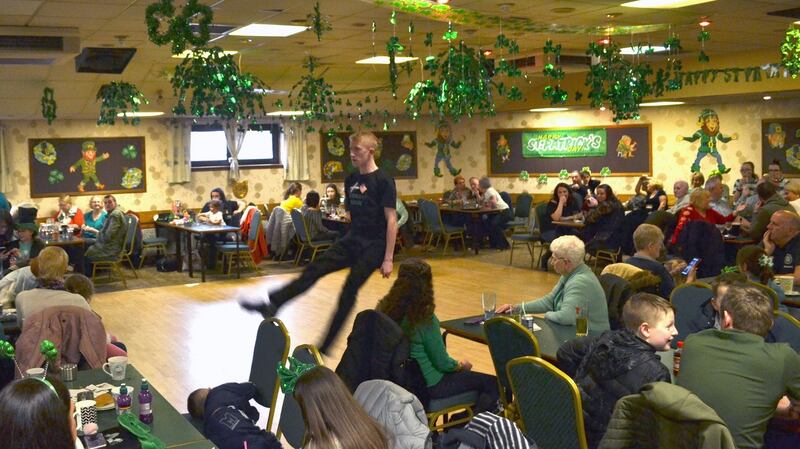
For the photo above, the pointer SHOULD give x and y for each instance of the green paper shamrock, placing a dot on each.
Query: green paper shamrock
(129, 152)
(550, 48)
(450, 35)
(605, 171)
(55, 176)
(179, 30)
(703, 57)
(48, 105)
(524, 176)
(6, 349)
(673, 44)
(563, 174)
(542, 179)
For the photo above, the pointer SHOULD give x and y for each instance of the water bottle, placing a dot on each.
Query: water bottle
(124, 400)
(145, 403)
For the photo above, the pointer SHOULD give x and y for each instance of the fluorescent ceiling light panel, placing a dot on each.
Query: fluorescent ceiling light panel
(664, 4)
(287, 113)
(270, 91)
(654, 104)
(385, 60)
(140, 114)
(268, 30)
(204, 54)
(642, 50)
(549, 109)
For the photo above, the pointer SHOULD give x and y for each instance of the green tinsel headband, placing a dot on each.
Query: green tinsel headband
(289, 376)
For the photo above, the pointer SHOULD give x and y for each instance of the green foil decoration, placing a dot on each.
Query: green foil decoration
(48, 105)
(542, 180)
(119, 98)
(617, 82)
(553, 91)
(524, 176)
(179, 31)
(48, 350)
(790, 52)
(605, 172)
(563, 174)
(393, 47)
(216, 87)
(318, 23)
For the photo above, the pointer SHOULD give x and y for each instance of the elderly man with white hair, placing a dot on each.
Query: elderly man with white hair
(578, 287)
(681, 191)
(719, 202)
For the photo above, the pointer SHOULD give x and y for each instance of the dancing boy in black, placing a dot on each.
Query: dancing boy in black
(370, 197)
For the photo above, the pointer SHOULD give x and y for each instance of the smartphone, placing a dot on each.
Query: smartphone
(474, 321)
(95, 441)
(691, 265)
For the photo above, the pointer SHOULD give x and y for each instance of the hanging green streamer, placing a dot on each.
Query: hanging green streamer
(48, 105)
(119, 98)
(318, 22)
(179, 31)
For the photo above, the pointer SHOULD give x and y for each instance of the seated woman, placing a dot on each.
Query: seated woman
(656, 198)
(410, 303)
(460, 194)
(226, 207)
(562, 207)
(333, 418)
(494, 223)
(313, 217)
(699, 208)
(578, 287)
(28, 246)
(754, 263)
(332, 201)
(37, 413)
(67, 214)
(93, 221)
(604, 222)
(291, 197)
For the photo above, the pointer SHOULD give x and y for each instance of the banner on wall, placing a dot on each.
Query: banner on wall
(578, 142)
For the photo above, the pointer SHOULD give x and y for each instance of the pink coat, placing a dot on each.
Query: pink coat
(74, 331)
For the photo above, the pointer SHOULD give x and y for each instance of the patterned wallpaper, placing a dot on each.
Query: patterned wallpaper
(671, 159)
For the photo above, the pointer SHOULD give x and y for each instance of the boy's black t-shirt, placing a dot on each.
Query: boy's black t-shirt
(785, 259)
(366, 195)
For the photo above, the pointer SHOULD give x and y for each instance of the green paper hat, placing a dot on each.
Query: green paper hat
(705, 113)
(89, 144)
(289, 376)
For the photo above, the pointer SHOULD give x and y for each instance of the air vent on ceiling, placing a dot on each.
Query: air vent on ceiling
(37, 46)
(214, 29)
(103, 60)
(793, 13)
(535, 63)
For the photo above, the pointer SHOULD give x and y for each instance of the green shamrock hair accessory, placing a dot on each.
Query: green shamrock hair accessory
(730, 269)
(605, 171)
(563, 174)
(524, 176)
(6, 349)
(288, 376)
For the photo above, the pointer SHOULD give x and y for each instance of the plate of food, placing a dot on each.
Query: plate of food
(104, 400)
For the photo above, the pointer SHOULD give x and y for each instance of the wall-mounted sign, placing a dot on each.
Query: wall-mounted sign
(581, 142)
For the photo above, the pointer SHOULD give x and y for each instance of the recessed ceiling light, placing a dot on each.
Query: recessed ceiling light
(602, 108)
(767, 97)
(664, 4)
(566, 10)
(487, 53)
(548, 109)
(204, 54)
(654, 104)
(704, 22)
(642, 50)
(270, 91)
(385, 60)
(613, 15)
(268, 30)
(604, 41)
(287, 113)
(140, 114)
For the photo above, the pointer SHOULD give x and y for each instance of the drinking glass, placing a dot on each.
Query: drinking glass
(582, 321)
(488, 301)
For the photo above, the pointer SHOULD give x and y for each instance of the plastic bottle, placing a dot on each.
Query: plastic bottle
(124, 400)
(676, 359)
(145, 403)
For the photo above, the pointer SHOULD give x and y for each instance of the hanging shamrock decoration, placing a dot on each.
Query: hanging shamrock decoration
(671, 74)
(393, 47)
(119, 98)
(615, 81)
(179, 31)
(703, 36)
(605, 172)
(563, 174)
(318, 23)
(553, 91)
(524, 176)
(450, 35)
(507, 68)
(216, 86)
(313, 95)
(48, 105)
(542, 180)
(790, 52)
(55, 176)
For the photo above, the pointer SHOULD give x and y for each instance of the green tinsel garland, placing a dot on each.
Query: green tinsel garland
(178, 32)
(216, 86)
(318, 23)
(48, 105)
(790, 52)
(119, 97)
(313, 95)
(616, 81)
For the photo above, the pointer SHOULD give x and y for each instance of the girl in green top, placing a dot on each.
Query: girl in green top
(410, 303)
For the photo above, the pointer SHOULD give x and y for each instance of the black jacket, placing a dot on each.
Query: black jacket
(702, 239)
(229, 420)
(606, 368)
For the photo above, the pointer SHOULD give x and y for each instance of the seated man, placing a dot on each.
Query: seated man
(595, 362)
(771, 202)
(229, 420)
(681, 191)
(649, 241)
(578, 287)
(782, 242)
(111, 238)
(736, 373)
(719, 201)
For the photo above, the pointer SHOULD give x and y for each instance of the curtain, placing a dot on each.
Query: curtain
(181, 152)
(234, 135)
(296, 153)
(5, 173)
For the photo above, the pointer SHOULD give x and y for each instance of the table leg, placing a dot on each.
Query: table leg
(202, 250)
(178, 254)
(189, 252)
(444, 337)
(238, 260)
(477, 235)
